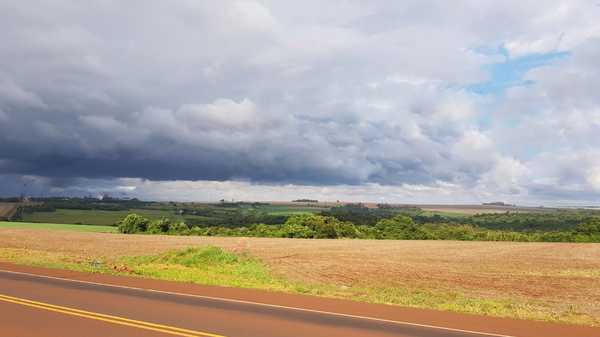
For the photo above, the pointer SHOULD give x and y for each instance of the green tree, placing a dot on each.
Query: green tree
(324, 227)
(297, 231)
(159, 226)
(591, 227)
(399, 227)
(178, 228)
(133, 223)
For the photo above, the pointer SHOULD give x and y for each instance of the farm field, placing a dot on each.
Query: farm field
(289, 210)
(205, 213)
(544, 281)
(53, 226)
(7, 209)
(94, 217)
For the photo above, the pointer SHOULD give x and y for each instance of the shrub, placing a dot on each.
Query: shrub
(400, 227)
(179, 228)
(297, 231)
(321, 227)
(159, 226)
(591, 227)
(133, 223)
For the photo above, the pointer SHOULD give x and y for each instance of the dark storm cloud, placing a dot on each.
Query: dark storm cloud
(195, 91)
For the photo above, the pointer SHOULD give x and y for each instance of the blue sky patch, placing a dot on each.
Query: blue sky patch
(510, 72)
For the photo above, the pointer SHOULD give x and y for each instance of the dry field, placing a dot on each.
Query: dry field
(7, 209)
(555, 277)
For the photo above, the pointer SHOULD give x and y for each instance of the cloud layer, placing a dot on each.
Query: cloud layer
(357, 97)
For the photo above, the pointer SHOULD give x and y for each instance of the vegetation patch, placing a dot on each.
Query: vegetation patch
(53, 226)
(206, 265)
(54, 260)
(398, 227)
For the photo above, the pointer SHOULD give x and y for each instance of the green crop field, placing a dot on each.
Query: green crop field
(192, 213)
(94, 217)
(81, 228)
(289, 210)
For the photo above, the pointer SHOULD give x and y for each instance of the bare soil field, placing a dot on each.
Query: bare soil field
(559, 277)
(7, 209)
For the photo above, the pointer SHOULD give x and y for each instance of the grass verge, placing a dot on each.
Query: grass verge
(215, 266)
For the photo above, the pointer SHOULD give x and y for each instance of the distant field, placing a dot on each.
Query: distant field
(94, 217)
(289, 210)
(52, 226)
(108, 218)
(7, 209)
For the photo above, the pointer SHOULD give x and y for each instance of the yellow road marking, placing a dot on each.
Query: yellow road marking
(108, 318)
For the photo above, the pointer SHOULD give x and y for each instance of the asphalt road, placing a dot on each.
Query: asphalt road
(42, 306)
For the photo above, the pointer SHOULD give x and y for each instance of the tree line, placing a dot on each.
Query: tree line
(398, 227)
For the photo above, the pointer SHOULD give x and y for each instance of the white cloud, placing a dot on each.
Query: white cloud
(222, 113)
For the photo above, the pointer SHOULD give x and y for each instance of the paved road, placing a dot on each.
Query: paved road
(40, 306)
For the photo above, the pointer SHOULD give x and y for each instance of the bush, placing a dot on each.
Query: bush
(297, 231)
(322, 227)
(179, 228)
(133, 223)
(400, 227)
(591, 227)
(159, 226)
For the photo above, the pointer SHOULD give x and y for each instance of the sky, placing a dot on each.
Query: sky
(382, 101)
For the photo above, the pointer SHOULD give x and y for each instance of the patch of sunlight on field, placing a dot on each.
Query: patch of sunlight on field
(51, 226)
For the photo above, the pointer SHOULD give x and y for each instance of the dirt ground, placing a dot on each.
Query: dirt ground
(562, 274)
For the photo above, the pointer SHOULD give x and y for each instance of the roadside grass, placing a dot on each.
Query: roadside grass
(206, 265)
(215, 266)
(52, 226)
(53, 260)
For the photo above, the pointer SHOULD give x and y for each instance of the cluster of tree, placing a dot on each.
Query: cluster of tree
(551, 220)
(359, 214)
(298, 226)
(555, 220)
(399, 227)
(235, 218)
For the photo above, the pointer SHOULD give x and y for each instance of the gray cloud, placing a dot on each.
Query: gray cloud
(276, 93)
